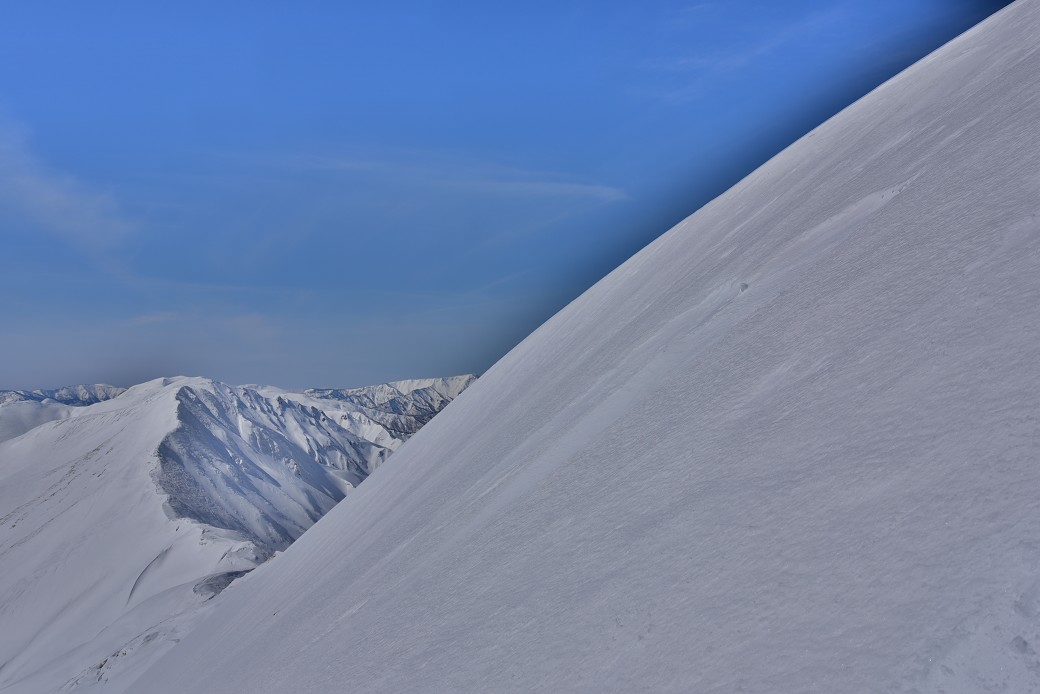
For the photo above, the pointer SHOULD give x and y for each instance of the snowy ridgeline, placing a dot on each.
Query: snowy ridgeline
(121, 513)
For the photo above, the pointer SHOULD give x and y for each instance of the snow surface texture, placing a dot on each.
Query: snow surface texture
(791, 446)
(119, 520)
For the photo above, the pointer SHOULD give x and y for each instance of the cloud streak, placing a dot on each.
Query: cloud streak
(537, 189)
(709, 65)
(37, 199)
(447, 172)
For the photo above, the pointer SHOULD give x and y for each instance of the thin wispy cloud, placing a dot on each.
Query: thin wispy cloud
(155, 318)
(36, 198)
(697, 67)
(537, 189)
(444, 171)
(692, 12)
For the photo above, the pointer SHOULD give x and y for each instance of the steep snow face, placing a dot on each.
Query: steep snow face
(267, 468)
(791, 446)
(118, 521)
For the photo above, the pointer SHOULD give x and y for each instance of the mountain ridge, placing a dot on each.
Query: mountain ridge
(157, 499)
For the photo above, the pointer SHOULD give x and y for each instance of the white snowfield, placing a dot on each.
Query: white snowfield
(121, 519)
(792, 446)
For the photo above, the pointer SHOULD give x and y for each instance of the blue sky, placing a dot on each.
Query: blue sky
(331, 194)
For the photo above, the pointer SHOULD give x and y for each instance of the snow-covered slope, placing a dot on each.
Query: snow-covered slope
(791, 446)
(119, 520)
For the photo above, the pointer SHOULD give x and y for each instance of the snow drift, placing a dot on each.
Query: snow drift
(791, 446)
(119, 520)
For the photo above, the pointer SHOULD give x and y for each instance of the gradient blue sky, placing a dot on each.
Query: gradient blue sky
(331, 194)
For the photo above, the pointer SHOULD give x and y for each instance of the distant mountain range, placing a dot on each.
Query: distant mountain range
(123, 510)
(71, 395)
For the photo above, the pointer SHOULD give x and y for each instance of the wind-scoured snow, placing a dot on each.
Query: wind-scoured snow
(121, 519)
(791, 446)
